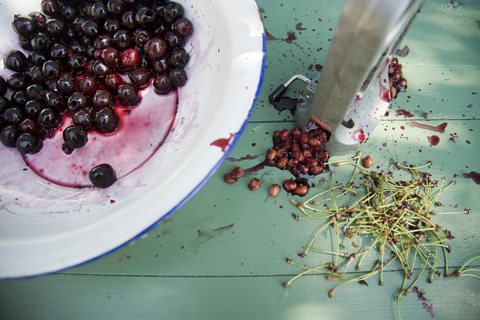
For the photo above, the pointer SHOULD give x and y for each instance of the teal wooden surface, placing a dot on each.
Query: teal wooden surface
(222, 256)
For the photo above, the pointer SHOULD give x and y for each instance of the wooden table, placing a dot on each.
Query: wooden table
(223, 255)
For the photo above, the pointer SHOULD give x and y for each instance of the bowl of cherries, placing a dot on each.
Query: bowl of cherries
(113, 114)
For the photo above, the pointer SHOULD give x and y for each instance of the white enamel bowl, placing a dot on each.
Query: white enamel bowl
(45, 227)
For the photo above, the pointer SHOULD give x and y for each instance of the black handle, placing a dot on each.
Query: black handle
(277, 94)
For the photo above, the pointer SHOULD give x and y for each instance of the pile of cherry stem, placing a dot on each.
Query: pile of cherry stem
(395, 216)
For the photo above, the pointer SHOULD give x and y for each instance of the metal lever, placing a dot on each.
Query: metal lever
(353, 91)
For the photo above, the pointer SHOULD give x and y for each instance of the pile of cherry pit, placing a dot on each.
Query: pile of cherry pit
(301, 153)
(77, 53)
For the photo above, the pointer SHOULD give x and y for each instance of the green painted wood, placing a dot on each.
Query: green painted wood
(442, 67)
(198, 239)
(125, 297)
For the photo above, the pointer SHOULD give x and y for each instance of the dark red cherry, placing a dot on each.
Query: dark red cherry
(50, 7)
(178, 58)
(116, 7)
(183, 27)
(128, 20)
(130, 58)
(33, 108)
(19, 98)
(17, 81)
(155, 49)
(13, 115)
(99, 11)
(37, 58)
(55, 100)
(122, 39)
(160, 66)
(90, 28)
(140, 77)
(69, 12)
(35, 74)
(103, 98)
(77, 46)
(28, 143)
(102, 176)
(111, 25)
(24, 26)
(66, 84)
(146, 17)
(172, 11)
(41, 42)
(75, 136)
(38, 18)
(16, 61)
(178, 77)
(49, 118)
(28, 126)
(37, 91)
(55, 28)
(105, 120)
(162, 84)
(110, 56)
(3, 86)
(111, 82)
(83, 118)
(76, 63)
(25, 43)
(174, 41)
(128, 94)
(141, 37)
(51, 69)
(78, 101)
(88, 85)
(9, 135)
(59, 52)
(103, 41)
(100, 69)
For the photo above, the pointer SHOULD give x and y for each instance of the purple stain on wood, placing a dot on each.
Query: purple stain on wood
(247, 157)
(440, 128)
(269, 36)
(475, 176)
(299, 27)
(421, 297)
(404, 113)
(290, 37)
(434, 140)
(254, 169)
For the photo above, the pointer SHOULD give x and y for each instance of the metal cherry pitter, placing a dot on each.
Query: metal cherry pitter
(351, 93)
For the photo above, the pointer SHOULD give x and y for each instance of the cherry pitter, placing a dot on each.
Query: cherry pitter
(351, 93)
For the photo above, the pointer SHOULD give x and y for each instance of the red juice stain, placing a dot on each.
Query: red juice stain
(139, 135)
(269, 36)
(434, 140)
(404, 113)
(440, 128)
(384, 93)
(290, 37)
(402, 127)
(299, 27)
(359, 135)
(286, 103)
(475, 176)
(254, 169)
(247, 157)
(223, 142)
(112, 201)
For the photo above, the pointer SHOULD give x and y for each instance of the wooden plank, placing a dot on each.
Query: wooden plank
(123, 297)
(229, 230)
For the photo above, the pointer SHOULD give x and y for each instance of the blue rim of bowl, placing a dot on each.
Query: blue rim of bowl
(194, 191)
